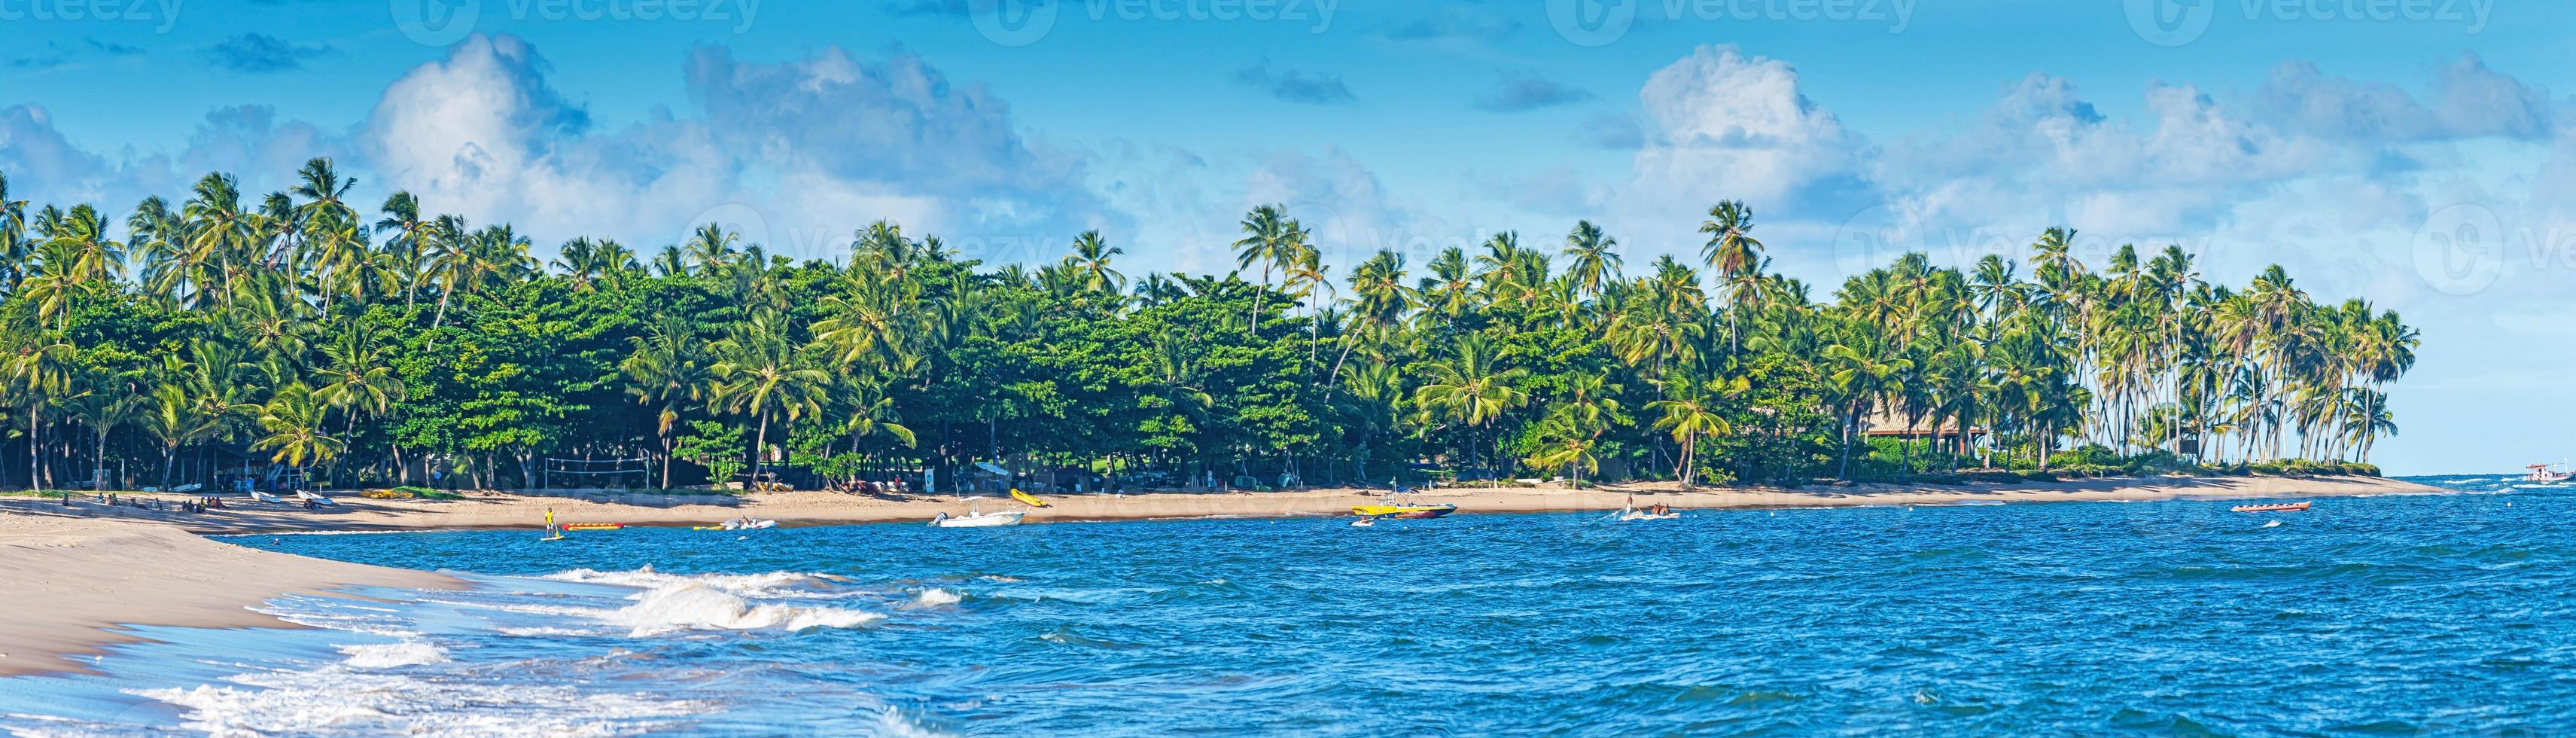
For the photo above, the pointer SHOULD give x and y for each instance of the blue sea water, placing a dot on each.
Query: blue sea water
(2381, 615)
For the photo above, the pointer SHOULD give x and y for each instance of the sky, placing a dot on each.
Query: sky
(2408, 152)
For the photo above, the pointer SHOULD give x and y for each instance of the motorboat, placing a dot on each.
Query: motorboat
(975, 517)
(1636, 514)
(743, 523)
(2543, 474)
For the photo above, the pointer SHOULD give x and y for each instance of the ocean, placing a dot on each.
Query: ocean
(2377, 615)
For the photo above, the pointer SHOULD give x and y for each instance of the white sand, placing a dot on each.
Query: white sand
(69, 580)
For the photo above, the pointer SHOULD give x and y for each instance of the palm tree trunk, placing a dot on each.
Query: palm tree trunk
(35, 455)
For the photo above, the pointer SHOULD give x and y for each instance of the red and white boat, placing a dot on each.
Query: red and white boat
(2543, 474)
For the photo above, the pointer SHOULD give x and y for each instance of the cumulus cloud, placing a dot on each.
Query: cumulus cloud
(2468, 100)
(814, 146)
(44, 166)
(259, 53)
(1719, 125)
(1296, 86)
(1516, 92)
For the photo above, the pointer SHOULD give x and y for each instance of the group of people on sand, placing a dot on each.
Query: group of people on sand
(196, 505)
(866, 487)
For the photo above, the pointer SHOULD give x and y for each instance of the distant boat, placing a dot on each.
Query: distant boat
(1401, 512)
(592, 526)
(740, 524)
(315, 499)
(2543, 474)
(2283, 507)
(1032, 500)
(1636, 514)
(266, 497)
(976, 518)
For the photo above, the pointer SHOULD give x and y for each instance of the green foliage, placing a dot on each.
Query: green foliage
(716, 446)
(384, 344)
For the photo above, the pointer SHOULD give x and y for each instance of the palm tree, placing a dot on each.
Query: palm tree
(1091, 258)
(1468, 388)
(293, 420)
(13, 234)
(104, 402)
(711, 248)
(1595, 255)
(358, 380)
(170, 416)
(1266, 241)
(667, 370)
(1733, 253)
(759, 372)
(1689, 410)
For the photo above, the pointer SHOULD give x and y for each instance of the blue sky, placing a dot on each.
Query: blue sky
(2412, 152)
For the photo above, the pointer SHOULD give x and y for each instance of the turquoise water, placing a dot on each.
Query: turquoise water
(2440, 614)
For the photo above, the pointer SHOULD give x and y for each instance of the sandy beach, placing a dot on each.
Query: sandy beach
(78, 572)
(71, 581)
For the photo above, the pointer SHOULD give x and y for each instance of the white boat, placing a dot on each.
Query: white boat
(1631, 513)
(976, 518)
(266, 497)
(316, 499)
(748, 524)
(2543, 474)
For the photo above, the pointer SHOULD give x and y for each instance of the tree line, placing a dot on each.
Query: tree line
(374, 345)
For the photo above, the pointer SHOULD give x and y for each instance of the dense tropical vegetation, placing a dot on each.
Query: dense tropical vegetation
(375, 345)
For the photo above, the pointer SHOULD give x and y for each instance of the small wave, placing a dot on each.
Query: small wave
(776, 584)
(388, 655)
(546, 632)
(698, 606)
(933, 597)
(336, 700)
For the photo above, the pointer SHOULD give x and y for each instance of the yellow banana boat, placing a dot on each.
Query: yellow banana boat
(1397, 512)
(1031, 499)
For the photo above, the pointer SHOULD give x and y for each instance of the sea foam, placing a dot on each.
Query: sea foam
(699, 606)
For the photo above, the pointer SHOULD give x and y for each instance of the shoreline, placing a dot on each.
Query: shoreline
(86, 571)
(76, 584)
